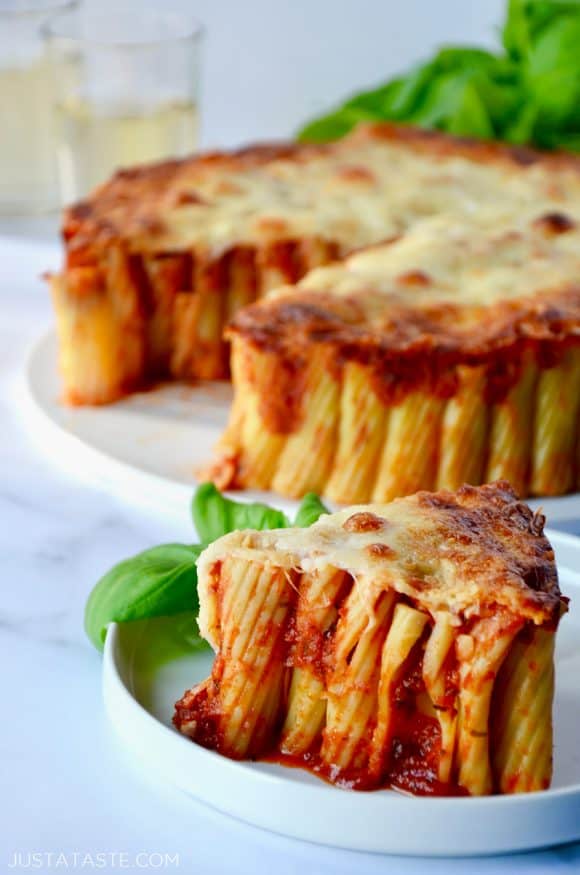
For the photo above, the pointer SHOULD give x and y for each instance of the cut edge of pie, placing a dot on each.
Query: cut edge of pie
(449, 355)
(407, 644)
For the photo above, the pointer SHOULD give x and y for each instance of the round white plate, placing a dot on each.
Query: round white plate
(152, 443)
(148, 445)
(145, 673)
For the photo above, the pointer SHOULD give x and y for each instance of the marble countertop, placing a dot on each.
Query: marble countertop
(67, 786)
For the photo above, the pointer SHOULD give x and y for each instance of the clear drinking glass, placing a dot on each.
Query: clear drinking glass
(126, 90)
(27, 153)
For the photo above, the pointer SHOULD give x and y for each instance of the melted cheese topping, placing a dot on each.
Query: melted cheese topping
(447, 260)
(360, 190)
(469, 553)
(465, 284)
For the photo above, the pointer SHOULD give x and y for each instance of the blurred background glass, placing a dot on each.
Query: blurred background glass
(27, 146)
(126, 90)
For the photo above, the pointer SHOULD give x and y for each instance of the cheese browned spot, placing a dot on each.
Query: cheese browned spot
(555, 223)
(380, 551)
(364, 522)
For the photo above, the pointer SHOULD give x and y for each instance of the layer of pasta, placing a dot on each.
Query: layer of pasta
(160, 258)
(449, 355)
(407, 645)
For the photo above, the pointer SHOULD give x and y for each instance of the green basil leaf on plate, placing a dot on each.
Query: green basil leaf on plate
(156, 583)
(162, 581)
(311, 508)
(214, 515)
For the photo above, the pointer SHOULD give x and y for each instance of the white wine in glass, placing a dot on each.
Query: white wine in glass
(28, 181)
(126, 83)
(93, 142)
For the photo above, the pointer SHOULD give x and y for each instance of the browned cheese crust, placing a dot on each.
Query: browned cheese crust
(135, 203)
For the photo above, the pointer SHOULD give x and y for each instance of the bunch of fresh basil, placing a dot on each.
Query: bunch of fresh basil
(527, 93)
(162, 581)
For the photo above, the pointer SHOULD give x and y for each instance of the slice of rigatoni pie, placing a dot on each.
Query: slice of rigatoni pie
(405, 645)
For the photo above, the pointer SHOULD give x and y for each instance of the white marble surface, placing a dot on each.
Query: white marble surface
(66, 786)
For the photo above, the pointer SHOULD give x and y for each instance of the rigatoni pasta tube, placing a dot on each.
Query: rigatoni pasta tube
(439, 644)
(166, 276)
(408, 461)
(510, 434)
(207, 354)
(353, 684)
(556, 427)
(464, 432)
(480, 655)
(306, 460)
(315, 612)
(256, 601)
(260, 447)
(275, 265)
(242, 286)
(361, 435)
(405, 630)
(522, 714)
(97, 360)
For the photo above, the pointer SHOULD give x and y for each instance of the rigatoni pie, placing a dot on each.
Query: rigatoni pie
(407, 644)
(449, 355)
(161, 257)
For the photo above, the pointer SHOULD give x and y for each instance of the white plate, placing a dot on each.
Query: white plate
(151, 443)
(143, 679)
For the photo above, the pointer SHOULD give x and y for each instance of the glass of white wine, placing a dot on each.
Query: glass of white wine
(126, 84)
(27, 153)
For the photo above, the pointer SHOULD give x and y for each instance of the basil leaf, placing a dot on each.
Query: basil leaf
(520, 131)
(162, 581)
(214, 515)
(529, 92)
(334, 125)
(379, 100)
(311, 508)
(528, 19)
(553, 73)
(158, 582)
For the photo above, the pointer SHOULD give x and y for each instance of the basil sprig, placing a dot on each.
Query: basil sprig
(162, 581)
(527, 92)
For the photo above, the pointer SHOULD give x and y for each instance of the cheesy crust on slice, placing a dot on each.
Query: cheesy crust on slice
(449, 355)
(161, 257)
(407, 645)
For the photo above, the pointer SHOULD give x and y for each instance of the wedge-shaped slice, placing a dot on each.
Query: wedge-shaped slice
(407, 644)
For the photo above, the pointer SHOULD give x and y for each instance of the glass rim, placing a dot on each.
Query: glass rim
(32, 8)
(193, 29)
